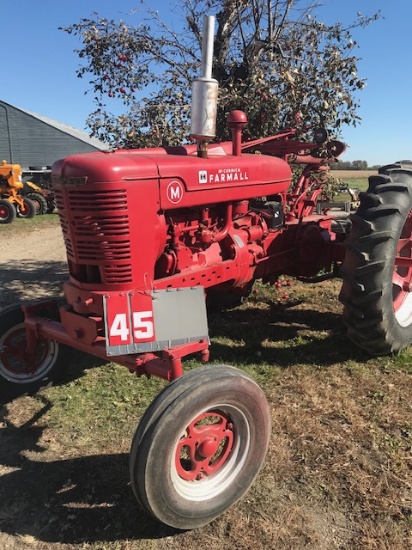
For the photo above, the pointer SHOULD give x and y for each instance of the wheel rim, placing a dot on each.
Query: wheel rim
(37, 204)
(211, 453)
(402, 276)
(25, 210)
(16, 365)
(4, 212)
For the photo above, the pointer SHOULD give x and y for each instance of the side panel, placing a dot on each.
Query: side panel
(188, 181)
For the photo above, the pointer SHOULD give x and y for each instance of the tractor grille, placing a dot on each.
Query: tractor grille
(96, 231)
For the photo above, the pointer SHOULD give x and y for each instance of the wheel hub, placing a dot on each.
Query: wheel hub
(205, 446)
(208, 447)
(402, 275)
(19, 365)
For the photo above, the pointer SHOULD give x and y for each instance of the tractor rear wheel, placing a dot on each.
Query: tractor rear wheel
(28, 210)
(39, 201)
(199, 446)
(377, 271)
(7, 212)
(19, 371)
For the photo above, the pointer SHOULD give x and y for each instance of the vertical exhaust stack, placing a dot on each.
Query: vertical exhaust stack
(204, 93)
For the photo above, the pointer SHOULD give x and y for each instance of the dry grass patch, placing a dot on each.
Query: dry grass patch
(353, 174)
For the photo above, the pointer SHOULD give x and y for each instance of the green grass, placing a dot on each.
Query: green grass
(22, 225)
(96, 408)
(357, 183)
(354, 179)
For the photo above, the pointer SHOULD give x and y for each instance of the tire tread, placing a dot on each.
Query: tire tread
(368, 265)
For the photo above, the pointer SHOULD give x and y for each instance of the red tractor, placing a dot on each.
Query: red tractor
(151, 233)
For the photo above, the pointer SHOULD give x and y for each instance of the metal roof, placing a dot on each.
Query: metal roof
(78, 134)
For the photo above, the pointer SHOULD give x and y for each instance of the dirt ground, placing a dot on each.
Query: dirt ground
(32, 263)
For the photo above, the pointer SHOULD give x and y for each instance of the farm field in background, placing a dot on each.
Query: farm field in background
(353, 174)
(354, 178)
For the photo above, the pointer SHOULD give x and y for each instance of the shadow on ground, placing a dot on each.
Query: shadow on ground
(31, 280)
(75, 366)
(89, 499)
(282, 335)
(69, 501)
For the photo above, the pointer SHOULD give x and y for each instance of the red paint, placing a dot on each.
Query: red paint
(135, 221)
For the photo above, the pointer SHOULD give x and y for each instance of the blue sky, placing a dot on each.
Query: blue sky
(39, 66)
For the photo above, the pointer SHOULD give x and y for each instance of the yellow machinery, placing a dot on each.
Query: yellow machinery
(37, 188)
(11, 201)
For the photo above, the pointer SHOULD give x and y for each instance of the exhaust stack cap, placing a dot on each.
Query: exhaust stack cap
(205, 90)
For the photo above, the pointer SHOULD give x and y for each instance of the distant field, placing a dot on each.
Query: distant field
(352, 174)
(357, 179)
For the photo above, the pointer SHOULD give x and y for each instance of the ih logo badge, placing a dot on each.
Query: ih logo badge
(174, 192)
(202, 176)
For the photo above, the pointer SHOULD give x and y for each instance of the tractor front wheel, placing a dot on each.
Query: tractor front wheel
(199, 446)
(21, 371)
(377, 271)
(28, 210)
(7, 211)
